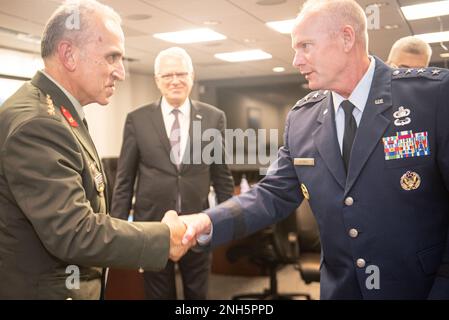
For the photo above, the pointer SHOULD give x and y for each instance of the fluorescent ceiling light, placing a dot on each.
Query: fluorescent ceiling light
(19, 64)
(282, 26)
(278, 69)
(247, 55)
(190, 36)
(434, 37)
(444, 55)
(426, 10)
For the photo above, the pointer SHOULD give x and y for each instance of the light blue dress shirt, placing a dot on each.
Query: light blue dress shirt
(358, 98)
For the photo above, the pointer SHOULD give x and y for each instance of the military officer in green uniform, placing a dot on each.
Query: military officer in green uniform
(53, 207)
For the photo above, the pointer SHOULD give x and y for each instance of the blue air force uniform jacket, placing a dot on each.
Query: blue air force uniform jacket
(390, 213)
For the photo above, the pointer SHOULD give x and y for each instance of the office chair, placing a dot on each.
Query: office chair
(309, 244)
(270, 249)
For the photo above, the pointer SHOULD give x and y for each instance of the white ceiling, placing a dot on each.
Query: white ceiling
(242, 21)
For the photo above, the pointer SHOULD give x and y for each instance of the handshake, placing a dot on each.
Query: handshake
(184, 231)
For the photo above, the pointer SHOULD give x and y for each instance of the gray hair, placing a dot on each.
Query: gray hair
(66, 22)
(173, 52)
(341, 12)
(411, 45)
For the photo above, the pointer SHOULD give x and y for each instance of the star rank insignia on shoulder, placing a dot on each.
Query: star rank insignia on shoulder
(50, 106)
(429, 73)
(311, 98)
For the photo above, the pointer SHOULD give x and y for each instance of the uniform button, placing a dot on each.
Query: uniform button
(141, 270)
(361, 263)
(349, 201)
(353, 233)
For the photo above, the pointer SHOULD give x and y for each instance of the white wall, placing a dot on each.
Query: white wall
(106, 122)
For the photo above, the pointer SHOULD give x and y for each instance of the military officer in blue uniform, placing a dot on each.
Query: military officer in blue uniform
(369, 149)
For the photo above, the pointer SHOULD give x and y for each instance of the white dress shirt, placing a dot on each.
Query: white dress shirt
(358, 98)
(184, 121)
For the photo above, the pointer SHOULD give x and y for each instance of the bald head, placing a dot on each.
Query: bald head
(330, 40)
(337, 14)
(410, 52)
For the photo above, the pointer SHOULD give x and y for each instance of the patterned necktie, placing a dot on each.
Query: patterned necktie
(349, 133)
(175, 152)
(175, 140)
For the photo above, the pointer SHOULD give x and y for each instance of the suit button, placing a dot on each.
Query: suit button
(141, 270)
(353, 233)
(349, 201)
(361, 263)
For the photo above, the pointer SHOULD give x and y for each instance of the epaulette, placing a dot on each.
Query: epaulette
(311, 98)
(48, 108)
(429, 73)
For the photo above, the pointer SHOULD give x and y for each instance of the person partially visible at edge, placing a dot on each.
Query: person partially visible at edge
(410, 52)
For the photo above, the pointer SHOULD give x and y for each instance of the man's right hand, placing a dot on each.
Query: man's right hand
(177, 231)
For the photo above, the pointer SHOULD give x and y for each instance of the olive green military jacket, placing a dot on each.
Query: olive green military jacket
(55, 233)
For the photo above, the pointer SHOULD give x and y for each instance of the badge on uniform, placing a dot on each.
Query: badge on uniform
(410, 181)
(401, 117)
(305, 192)
(406, 144)
(69, 117)
(50, 106)
(304, 161)
(98, 178)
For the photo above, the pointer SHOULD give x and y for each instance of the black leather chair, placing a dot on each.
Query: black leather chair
(271, 249)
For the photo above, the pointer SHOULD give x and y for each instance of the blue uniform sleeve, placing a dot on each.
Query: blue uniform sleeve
(275, 197)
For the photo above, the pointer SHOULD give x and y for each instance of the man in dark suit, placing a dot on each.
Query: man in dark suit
(156, 138)
(55, 234)
(370, 151)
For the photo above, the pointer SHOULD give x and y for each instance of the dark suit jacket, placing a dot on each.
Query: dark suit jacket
(402, 232)
(52, 213)
(145, 155)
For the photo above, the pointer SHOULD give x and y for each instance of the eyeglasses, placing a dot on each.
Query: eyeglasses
(167, 77)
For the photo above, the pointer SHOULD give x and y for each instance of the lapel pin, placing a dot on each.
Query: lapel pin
(379, 101)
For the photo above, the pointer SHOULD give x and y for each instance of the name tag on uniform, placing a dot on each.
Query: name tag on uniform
(304, 161)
